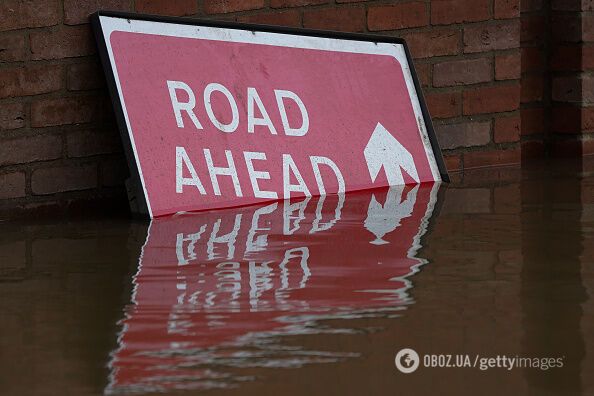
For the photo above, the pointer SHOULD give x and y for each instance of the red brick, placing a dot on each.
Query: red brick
(530, 5)
(12, 185)
(87, 143)
(113, 173)
(423, 73)
(433, 43)
(12, 47)
(532, 88)
(167, 7)
(532, 59)
(85, 76)
(507, 129)
(462, 72)
(226, 6)
(504, 9)
(502, 35)
(444, 104)
(587, 118)
(587, 57)
(453, 162)
(566, 57)
(508, 67)
(479, 159)
(566, 119)
(533, 28)
(60, 179)
(587, 27)
(588, 88)
(295, 3)
(445, 12)
(63, 43)
(30, 149)
(532, 121)
(566, 5)
(466, 134)
(493, 99)
(567, 27)
(567, 89)
(78, 11)
(282, 18)
(397, 16)
(30, 80)
(533, 149)
(343, 19)
(18, 14)
(61, 111)
(12, 116)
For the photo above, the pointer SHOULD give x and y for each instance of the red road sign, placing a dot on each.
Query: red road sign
(226, 115)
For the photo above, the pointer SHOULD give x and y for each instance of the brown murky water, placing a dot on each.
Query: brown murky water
(313, 296)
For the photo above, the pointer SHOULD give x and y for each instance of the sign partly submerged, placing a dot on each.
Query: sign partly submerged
(219, 114)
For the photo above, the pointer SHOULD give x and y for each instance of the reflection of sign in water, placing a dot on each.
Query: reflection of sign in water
(216, 288)
(225, 116)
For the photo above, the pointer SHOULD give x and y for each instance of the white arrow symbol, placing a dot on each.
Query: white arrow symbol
(383, 150)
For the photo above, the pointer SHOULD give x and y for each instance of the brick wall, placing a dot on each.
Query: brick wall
(58, 139)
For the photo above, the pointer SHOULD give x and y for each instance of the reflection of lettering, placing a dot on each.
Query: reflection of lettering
(229, 238)
(315, 226)
(258, 243)
(288, 217)
(179, 246)
(382, 219)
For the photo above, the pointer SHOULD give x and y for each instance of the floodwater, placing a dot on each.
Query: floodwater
(313, 296)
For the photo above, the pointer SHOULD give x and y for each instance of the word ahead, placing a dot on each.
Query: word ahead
(220, 115)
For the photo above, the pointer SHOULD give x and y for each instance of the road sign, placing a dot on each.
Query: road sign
(219, 115)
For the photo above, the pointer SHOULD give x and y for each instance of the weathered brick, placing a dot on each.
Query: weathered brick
(18, 14)
(587, 27)
(508, 66)
(397, 16)
(453, 162)
(504, 9)
(444, 104)
(445, 12)
(532, 88)
(479, 159)
(226, 6)
(532, 59)
(61, 111)
(282, 18)
(87, 143)
(295, 3)
(435, 42)
(466, 134)
(30, 80)
(167, 7)
(502, 35)
(493, 99)
(462, 72)
(12, 185)
(12, 116)
(84, 76)
(530, 5)
(533, 28)
(508, 199)
(566, 5)
(566, 119)
(12, 47)
(30, 149)
(113, 173)
(507, 129)
(423, 73)
(78, 11)
(567, 89)
(61, 179)
(69, 41)
(566, 57)
(587, 57)
(532, 121)
(350, 19)
(566, 27)
(532, 149)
